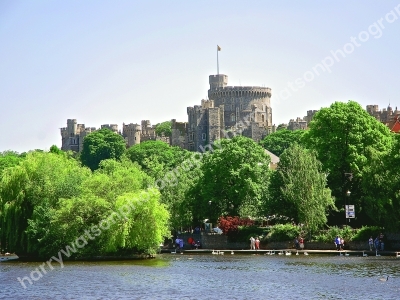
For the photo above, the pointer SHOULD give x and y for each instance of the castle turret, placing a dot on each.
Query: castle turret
(71, 127)
(218, 81)
(131, 133)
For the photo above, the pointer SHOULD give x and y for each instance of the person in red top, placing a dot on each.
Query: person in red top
(301, 242)
(190, 241)
(257, 243)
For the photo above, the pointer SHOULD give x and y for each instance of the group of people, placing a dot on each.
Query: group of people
(180, 244)
(299, 243)
(378, 243)
(339, 243)
(254, 243)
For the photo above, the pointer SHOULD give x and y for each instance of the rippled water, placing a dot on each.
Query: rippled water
(210, 277)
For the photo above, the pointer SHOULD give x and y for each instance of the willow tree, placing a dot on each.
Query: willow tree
(38, 181)
(144, 224)
(299, 189)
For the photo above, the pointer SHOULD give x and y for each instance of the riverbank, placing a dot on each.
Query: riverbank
(286, 252)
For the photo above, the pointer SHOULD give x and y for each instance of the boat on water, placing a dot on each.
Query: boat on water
(8, 256)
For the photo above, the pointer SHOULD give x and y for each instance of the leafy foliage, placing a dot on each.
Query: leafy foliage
(381, 186)
(99, 145)
(365, 232)
(328, 236)
(9, 159)
(49, 201)
(156, 157)
(343, 136)
(176, 186)
(234, 178)
(299, 189)
(280, 140)
(164, 128)
(39, 180)
(230, 225)
(283, 232)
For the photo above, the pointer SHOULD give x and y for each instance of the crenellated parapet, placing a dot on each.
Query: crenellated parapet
(240, 91)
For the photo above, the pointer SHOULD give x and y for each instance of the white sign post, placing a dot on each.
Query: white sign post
(350, 212)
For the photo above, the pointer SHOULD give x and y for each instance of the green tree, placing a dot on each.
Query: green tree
(175, 190)
(280, 140)
(156, 157)
(38, 180)
(53, 228)
(114, 178)
(343, 136)
(99, 145)
(281, 127)
(164, 128)
(235, 178)
(144, 227)
(381, 186)
(299, 189)
(55, 149)
(9, 159)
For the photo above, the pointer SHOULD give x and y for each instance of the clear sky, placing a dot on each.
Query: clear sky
(125, 61)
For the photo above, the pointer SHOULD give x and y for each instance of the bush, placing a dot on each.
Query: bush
(329, 235)
(230, 225)
(283, 232)
(365, 232)
(245, 232)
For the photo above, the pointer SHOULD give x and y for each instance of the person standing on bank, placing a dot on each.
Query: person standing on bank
(301, 242)
(370, 243)
(252, 243)
(337, 243)
(257, 243)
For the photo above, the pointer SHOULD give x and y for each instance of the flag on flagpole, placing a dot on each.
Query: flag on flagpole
(218, 48)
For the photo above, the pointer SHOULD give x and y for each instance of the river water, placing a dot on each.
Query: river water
(174, 276)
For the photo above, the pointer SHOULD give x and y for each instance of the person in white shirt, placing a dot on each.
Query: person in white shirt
(252, 243)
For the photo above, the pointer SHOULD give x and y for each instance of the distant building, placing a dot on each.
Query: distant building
(301, 123)
(296, 124)
(388, 116)
(274, 160)
(72, 136)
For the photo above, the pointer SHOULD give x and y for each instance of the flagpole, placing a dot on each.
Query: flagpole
(217, 62)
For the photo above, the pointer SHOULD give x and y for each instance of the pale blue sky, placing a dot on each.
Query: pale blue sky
(123, 61)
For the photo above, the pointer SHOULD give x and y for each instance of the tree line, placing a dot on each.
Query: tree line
(49, 198)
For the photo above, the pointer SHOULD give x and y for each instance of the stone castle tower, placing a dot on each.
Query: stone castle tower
(244, 110)
(72, 135)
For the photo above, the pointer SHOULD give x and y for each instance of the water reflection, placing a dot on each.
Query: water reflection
(211, 277)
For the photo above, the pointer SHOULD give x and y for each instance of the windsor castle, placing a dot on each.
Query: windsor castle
(228, 111)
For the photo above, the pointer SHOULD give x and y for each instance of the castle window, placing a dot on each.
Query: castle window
(223, 100)
(203, 136)
(232, 107)
(232, 117)
(262, 118)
